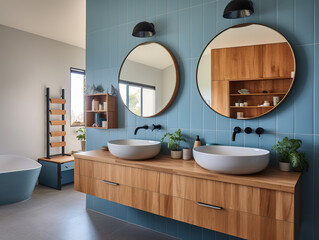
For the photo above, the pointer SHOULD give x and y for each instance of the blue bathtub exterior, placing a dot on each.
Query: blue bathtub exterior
(17, 186)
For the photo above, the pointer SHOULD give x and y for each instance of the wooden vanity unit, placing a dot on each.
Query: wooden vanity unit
(260, 206)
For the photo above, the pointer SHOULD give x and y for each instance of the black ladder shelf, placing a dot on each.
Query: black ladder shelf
(61, 123)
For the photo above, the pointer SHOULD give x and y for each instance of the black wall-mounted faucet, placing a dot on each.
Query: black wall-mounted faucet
(236, 130)
(248, 130)
(158, 126)
(138, 128)
(260, 131)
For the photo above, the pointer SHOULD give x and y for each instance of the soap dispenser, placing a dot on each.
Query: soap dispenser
(197, 142)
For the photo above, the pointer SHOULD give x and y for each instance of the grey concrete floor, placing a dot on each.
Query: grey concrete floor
(61, 215)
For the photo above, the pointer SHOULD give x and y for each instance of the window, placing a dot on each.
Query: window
(77, 97)
(139, 98)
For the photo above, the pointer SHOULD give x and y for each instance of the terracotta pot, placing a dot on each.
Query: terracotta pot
(83, 143)
(176, 154)
(285, 166)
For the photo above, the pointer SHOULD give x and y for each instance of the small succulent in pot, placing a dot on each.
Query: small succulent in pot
(289, 155)
(81, 137)
(174, 140)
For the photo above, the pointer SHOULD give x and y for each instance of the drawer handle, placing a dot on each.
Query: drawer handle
(209, 206)
(111, 183)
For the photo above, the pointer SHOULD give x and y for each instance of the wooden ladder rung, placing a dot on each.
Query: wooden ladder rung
(58, 144)
(57, 112)
(58, 122)
(57, 134)
(57, 100)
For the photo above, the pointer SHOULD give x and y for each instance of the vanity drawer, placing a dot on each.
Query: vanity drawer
(267, 203)
(236, 223)
(115, 192)
(129, 176)
(67, 166)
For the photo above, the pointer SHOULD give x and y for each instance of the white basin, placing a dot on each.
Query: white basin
(231, 160)
(134, 149)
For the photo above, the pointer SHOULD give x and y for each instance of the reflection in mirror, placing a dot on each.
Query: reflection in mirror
(148, 79)
(246, 71)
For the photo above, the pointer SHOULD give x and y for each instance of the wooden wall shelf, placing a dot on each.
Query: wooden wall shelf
(260, 206)
(257, 79)
(252, 107)
(110, 113)
(256, 94)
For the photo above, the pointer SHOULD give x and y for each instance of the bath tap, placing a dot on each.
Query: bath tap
(260, 131)
(158, 126)
(138, 128)
(236, 130)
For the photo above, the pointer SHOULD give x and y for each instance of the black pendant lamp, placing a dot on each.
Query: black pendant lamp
(238, 9)
(144, 29)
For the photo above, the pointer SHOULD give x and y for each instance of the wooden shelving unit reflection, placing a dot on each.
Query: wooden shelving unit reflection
(265, 70)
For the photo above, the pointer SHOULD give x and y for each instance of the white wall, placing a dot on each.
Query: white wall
(168, 84)
(204, 78)
(28, 64)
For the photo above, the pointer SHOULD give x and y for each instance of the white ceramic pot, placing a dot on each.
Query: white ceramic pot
(176, 154)
(284, 166)
(187, 153)
(83, 145)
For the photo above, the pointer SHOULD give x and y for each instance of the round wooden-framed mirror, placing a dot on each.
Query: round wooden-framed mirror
(149, 79)
(246, 71)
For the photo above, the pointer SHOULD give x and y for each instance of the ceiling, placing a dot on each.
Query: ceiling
(61, 20)
(153, 55)
(245, 36)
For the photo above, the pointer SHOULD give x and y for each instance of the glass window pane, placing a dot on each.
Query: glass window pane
(135, 100)
(77, 98)
(123, 92)
(148, 102)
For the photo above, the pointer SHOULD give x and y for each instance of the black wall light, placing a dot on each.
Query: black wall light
(238, 9)
(144, 29)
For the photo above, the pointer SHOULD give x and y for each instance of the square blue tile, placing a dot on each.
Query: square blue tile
(184, 34)
(196, 31)
(304, 19)
(304, 90)
(269, 13)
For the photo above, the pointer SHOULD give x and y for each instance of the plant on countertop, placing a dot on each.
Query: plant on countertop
(81, 134)
(174, 140)
(288, 150)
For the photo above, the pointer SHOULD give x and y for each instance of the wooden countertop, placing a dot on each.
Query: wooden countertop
(270, 178)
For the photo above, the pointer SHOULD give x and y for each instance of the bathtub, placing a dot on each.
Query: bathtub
(18, 176)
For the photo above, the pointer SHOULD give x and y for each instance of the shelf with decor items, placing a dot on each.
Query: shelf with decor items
(100, 108)
(260, 90)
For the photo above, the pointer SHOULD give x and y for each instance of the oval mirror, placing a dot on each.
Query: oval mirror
(149, 79)
(246, 71)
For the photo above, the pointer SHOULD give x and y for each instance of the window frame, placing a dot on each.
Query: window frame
(141, 86)
(82, 71)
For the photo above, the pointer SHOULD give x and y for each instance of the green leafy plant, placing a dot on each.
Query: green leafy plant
(81, 134)
(174, 140)
(288, 151)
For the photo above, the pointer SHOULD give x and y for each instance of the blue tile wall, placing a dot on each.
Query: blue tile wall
(186, 26)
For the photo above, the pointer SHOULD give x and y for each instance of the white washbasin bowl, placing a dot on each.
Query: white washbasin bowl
(134, 149)
(231, 160)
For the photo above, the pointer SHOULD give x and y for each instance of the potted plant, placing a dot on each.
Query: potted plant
(289, 155)
(81, 137)
(174, 141)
